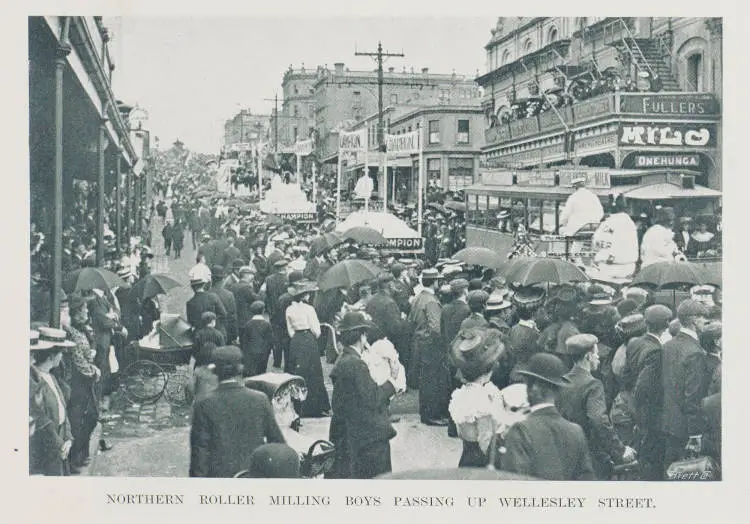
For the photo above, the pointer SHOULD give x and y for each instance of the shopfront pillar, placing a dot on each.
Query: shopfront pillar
(61, 52)
(100, 202)
(128, 205)
(118, 204)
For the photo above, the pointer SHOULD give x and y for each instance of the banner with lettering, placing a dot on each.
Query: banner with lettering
(405, 143)
(354, 141)
(303, 148)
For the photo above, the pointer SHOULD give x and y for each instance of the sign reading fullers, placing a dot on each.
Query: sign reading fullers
(677, 135)
(405, 244)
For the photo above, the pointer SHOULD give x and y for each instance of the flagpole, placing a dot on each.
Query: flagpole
(420, 183)
(260, 171)
(385, 178)
(338, 188)
(367, 171)
(315, 191)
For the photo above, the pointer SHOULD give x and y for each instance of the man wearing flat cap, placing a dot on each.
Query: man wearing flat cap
(545, 445)
(230, 422)
(429, 355)
(583, 402)
(202, 301)
(684, 381)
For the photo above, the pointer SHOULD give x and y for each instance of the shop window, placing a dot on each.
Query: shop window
(434, 130)
(463, 132)
(460, 173)
(434, 178)
(695, 72)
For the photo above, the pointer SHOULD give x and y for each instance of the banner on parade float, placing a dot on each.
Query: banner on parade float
(415, 244)
(405, 143)
(354, 141)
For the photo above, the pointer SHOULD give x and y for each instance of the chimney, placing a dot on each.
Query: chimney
(425, 70)
(339, 67)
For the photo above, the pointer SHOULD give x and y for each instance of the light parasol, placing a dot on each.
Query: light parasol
(152, 285)
(88, 278)
(365, 235)
(348, 273)
(536, 270)
(481, 256)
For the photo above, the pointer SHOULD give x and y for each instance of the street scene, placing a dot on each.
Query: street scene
(504, 264)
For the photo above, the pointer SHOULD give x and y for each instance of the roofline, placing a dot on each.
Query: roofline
(438, 109)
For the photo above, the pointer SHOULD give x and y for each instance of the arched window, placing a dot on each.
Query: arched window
(551, 34)
(694, 72)
(506, 57)
(528, 46)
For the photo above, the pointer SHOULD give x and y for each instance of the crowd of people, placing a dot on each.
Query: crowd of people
(560, 383)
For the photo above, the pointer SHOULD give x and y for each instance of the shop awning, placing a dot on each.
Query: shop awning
(665, 191)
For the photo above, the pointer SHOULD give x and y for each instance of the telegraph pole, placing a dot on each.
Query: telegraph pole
(275, 101)
(381, 130)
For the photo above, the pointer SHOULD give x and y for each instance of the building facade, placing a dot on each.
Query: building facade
(344, 97)
(297, 115)
(246, 128)
(453, 138)
(607, 92)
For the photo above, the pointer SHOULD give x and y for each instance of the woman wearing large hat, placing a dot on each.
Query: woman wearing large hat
(303, 327)
(52, 439)
(477, 407)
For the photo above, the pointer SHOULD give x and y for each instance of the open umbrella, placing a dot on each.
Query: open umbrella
(348, 273)
(88, 278)
(325, 242)
(673, 273)
(481, 256)
(152, 285)
(365, 235)
(437, 207)
(455, 205)
(535, 270)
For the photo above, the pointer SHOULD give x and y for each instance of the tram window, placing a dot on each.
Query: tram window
(493, 208)
(534, 215)
(471, 209)
(548, 217)
(506, 204)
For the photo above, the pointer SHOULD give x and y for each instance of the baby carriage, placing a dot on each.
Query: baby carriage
(282, 389)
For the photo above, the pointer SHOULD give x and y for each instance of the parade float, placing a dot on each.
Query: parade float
(287, 201)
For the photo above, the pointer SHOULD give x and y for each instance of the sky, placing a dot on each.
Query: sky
(192, 74)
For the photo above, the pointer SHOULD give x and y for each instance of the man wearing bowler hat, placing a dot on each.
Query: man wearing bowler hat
(545, 445)
(429, 355)
(583, 402)
(360, 427)
(230, 422)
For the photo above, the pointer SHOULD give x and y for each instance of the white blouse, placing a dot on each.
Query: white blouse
(300, 316)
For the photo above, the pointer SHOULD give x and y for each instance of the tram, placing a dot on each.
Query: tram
(534, 199)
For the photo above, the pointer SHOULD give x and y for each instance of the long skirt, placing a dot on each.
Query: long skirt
(83, 413)
(304, 360)
(434, 378)
(472, 456)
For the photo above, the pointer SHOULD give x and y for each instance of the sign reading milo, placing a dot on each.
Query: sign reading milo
(404, 244)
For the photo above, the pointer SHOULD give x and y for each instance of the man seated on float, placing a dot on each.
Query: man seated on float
(658, 243)
(581, 208)
(615, 246)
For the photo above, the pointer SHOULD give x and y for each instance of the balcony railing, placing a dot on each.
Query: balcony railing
(679, 105)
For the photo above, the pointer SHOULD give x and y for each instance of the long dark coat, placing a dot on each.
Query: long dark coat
(304, 360)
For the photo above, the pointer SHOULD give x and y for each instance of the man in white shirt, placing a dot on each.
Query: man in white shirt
(582, 207)
(658, 243)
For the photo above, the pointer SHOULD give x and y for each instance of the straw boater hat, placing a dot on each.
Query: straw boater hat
(547, 368)
(598, 296)
(497, 301)
(37, 344)
(302, 287)
(475, 351)
(57, 337)
(578, 181)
